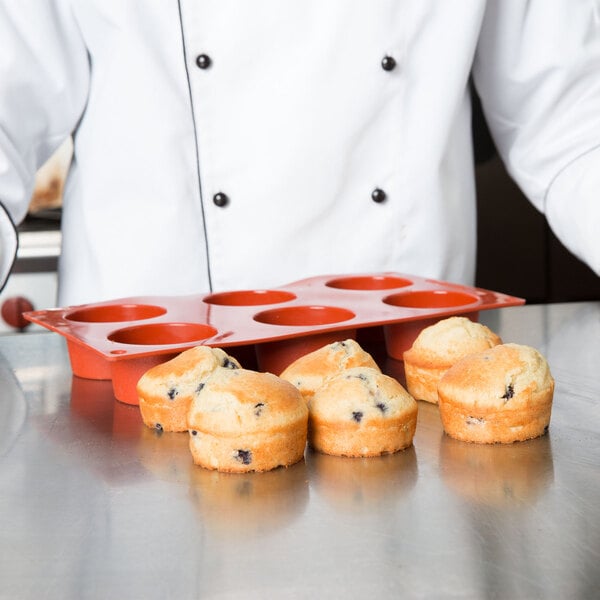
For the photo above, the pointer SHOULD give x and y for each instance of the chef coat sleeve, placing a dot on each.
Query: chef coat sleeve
(44, 75)
(537, 71)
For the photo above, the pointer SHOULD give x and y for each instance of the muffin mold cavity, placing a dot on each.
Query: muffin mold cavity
(116, 340)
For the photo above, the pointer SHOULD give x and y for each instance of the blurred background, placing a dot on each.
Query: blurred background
(517, 252)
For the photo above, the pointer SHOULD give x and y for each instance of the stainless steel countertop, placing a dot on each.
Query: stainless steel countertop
(94, 505)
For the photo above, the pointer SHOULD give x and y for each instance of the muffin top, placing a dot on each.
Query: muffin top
(360, 395)
(450, 339)
(309, 372)
(240, 401)
(182, 375)
(505, 377)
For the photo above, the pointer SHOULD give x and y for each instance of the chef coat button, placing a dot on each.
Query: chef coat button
(203, 61)
(220, 199)
(378, 195)
(388, 63)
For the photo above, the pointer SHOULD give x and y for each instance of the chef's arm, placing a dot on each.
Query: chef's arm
(44, 76)
(537, 72)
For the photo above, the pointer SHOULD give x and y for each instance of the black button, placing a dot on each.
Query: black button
(388, 63)
(378, 195)
(220, 199)
(203, 61)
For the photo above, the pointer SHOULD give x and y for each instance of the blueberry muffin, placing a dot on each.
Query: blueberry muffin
(361, 412)
(437, 348)
(309, 372)
(503, 394)
(166, 390)
(242, 420)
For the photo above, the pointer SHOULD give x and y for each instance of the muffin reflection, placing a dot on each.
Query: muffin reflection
(165, 454)
(498, 475)
(359, 484)
(245, 505)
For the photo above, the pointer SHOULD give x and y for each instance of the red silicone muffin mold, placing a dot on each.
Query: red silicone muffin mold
(119, 340)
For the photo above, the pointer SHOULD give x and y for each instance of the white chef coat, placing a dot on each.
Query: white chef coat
(257, 164)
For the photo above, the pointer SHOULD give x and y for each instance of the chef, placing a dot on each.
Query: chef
(232, 144)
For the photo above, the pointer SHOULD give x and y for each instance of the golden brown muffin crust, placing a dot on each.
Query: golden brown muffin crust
(165, 391)
(438, 347)
(309, 372)
(361, 412)
(244, 420)
(503, 394)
